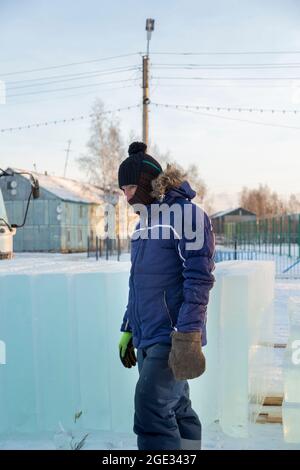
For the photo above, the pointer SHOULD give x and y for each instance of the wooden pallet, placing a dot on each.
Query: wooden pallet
(272, 345)
(273, 401)
(271, 411)
(264, 418)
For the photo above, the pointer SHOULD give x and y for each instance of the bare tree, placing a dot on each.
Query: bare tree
(163, 157)
(294, 204)
(196, 182)
(191, 172)
(262, 201)
(105, 149)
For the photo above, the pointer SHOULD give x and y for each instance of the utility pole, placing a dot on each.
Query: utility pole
(146, 100)
(67, 150)
(145, 83)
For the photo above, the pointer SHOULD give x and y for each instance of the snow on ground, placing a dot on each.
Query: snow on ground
(42, 263)
(261, 436)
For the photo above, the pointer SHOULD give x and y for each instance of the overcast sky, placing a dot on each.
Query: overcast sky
(232, 149)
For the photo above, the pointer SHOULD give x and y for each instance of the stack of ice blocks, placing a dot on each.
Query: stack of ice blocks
(61, 331)
(240, 346)
(291, 374)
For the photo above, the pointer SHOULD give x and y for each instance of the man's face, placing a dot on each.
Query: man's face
(129, 190)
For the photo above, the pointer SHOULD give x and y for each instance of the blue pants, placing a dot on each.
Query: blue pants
(164, 418)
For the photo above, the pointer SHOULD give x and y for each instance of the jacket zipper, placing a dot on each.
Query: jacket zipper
(168, 312)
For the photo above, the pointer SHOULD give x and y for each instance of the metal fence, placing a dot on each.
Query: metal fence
(276, 239)
(286, 267)
(107, 248)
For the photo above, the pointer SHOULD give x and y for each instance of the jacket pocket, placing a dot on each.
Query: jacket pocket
(153, 313)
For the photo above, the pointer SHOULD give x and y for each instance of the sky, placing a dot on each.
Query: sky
(220, 54)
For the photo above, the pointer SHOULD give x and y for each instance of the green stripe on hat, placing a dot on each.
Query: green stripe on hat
(152, 164)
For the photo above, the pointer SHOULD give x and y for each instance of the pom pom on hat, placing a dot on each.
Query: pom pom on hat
(137, 147)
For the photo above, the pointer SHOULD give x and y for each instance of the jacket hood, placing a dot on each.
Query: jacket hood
(172, 183)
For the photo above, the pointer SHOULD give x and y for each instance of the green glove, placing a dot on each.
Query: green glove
(126, 350)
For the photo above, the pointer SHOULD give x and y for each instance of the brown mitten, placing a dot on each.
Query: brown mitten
(186, 358)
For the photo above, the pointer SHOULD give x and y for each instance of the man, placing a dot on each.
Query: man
(169, 285)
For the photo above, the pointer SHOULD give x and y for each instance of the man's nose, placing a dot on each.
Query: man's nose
(127, 194)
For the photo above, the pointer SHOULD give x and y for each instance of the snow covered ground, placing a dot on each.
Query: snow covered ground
(38, 263)
(262, 436)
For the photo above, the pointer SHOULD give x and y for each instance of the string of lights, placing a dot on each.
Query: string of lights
(225, 78)
(64, 121)
(192, 110)
(164, 105)
(228, 108)
(226, 53)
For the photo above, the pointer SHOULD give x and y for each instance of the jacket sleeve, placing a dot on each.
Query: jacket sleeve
(125, 323)
(125, 327)
(198, 265)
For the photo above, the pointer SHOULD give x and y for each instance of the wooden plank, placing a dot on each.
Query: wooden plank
(264, 418)
(272, 345)
(272, 410)
(273, 401)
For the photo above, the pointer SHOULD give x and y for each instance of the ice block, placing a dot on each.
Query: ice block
(246, 308)
(291, 421)
(240, 345)
(291, 375)
(61, 328)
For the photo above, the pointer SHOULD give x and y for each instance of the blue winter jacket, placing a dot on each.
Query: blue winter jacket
(169, 284)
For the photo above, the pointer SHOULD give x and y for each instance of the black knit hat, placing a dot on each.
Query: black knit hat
(139, 168)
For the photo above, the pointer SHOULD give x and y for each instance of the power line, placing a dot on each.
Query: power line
(228, 85)
(69, 64)
(63, 78)
(223, 67)
(67, 80)
(227, 117)
(66, 96)
(62, 97)
(64, 121)
(72, 88)
(256, 64)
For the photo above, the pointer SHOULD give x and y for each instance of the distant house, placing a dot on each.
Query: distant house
(63, 217)
(231, 215)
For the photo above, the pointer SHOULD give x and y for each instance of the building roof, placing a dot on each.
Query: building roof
(67, 189)
(229, 211)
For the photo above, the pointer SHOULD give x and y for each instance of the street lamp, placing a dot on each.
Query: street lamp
(145, 83)
(149, 29)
